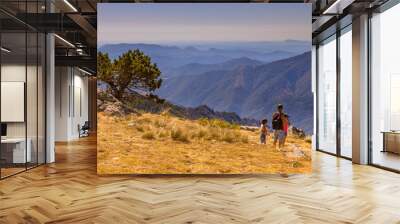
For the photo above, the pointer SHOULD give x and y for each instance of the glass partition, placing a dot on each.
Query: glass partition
(385, 89)
(31, 97)
(22, 78)
(13, 94)
(327, 95)
(346, 92)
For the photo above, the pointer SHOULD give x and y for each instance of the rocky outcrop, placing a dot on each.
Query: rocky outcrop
(300, 133)
(111, 106)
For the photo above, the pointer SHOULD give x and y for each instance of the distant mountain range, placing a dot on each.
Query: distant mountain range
(295, 46)
(250, 91)
(172, 57)
(245, 80)
(197, 68)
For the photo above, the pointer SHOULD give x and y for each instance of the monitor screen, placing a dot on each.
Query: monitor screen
(3, 129)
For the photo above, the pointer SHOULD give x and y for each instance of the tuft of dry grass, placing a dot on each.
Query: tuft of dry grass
(185, 146)
(228, 137)
(148, 135)
(163, 134)
(245, 139)
(201, 133)
(217, 123)
(179, 135)
(140, 128)
(297, 164)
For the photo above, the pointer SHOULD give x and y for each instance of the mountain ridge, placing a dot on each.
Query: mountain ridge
(250, 91)
(241, 84)
(198, 68)
(170, 56)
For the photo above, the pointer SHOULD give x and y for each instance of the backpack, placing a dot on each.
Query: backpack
(277, 123)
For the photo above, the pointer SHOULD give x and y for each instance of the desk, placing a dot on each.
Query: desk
(391, 141)
(13, 150)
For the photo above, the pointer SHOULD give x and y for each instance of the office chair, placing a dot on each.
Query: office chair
(84, 130)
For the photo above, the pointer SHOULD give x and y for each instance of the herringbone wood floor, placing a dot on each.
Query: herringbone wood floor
(69, 191)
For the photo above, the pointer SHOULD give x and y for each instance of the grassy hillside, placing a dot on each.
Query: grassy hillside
(164, 144)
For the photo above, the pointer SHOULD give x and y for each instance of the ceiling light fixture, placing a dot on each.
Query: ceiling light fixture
(337, 7)
(70, 5)
(79, 51)
(64, 40)
(86, 72)
(5, 50)
(329, 9)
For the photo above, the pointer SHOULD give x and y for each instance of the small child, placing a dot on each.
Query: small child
(263, 131)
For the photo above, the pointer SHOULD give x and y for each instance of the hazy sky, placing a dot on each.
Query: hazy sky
(162, 22)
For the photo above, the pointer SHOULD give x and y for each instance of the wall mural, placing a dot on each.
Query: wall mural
(204, 88)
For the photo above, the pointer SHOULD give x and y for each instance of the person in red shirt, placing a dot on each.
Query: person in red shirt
(285, 124)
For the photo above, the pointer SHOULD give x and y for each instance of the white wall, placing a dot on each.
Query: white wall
(62, 82)
(71, 102)
(80, 109)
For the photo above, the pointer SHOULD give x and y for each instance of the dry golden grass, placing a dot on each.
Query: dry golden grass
(162, 144)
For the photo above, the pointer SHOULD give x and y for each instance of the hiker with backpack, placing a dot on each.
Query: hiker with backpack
(278, 126)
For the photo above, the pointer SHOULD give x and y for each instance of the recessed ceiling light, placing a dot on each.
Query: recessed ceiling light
(70, 5)
(64, 40)
(86, 72)
(5, 50)
(337, 7)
